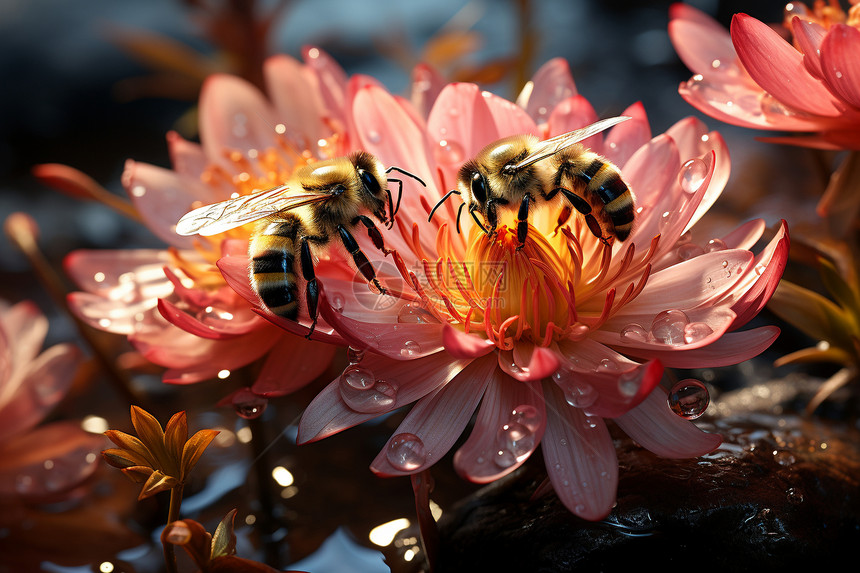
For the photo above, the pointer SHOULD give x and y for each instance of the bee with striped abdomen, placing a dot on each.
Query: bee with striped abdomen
(521, 171)
(324, 199)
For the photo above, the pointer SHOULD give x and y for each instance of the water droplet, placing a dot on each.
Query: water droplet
(578, 331)
(414, 314)
(249, 405)
(795, 496)
(449, 153)
(453, 112)
(214, 317)
(362, 392)
(410, 349)
(634, 332)
(692, 175)
(138, 191)
(715, 64)
(689, 399)
(374, 136)
(689, 251)
(668, 327)
(337, 302)
(685, 238)
(696, 331)
(580, 395)
(715, 245)
(783, 457)
(629, 382)
(839, 75)
(354, 355)
(607, 365)
(406, 452)
(665, 220)
(516, 438)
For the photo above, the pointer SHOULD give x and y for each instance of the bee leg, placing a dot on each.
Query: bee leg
(359, 258)
(523, 222)
(373, 233)
(312, 292)
(583, 207)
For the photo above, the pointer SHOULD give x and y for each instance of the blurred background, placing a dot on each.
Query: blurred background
(92, 83)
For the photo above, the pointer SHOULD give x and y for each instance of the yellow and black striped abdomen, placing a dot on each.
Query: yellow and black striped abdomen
(603, 188)
(272, 251)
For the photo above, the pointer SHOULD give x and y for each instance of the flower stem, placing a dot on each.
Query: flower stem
(172, 515)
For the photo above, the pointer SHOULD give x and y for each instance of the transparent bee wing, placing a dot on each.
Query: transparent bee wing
(219, 217)
(555, 144)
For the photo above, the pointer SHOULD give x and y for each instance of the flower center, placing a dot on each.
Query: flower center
(558, 284)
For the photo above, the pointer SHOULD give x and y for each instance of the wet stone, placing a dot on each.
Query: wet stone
(781, 494)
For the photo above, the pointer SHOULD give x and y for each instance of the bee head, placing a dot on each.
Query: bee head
(372, 184)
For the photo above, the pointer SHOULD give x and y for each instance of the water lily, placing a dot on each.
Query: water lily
(173, 304)
(752, 76)
(548, 341)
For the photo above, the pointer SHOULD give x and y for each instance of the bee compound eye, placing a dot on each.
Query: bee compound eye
(371, 185)
(479, 187)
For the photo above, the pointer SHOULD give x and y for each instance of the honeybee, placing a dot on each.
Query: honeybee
(512, 171)
(324, 199)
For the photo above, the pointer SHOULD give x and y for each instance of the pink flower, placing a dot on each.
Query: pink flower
(38, 463)
(174, 305)
(753, 77)
(546, 342)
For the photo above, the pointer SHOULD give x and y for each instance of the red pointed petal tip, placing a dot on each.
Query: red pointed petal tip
(543, 363)
(461, 345)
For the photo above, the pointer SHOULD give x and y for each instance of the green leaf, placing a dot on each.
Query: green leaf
(816, 354)
(224, 540)
(841, 290)
(812, 313)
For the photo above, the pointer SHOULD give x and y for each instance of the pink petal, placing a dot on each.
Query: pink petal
(25, 471)
(332, 84)
(840, 62)
(778, 68)
(573, 113)
(617, 392)
(528, 362)
(123, 275)
(461, 345)
(234, 269)
(39, 387)
(655, 427)
(438, 419)
(551, 84)
(114, 316)
(808, 36)
(478, 460)
(215, 328)
(162, 197)
(295, 94)
(731, 348)
(234, 115)
(292, 363)
(628, 136)
(427, 82)
(188, 158)
(322, 333)
(703, 44)
(25, 328)
(580, 458)
(328, 414)
(746, 235)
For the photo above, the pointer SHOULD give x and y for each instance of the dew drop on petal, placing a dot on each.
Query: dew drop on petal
(692, 175)
(668, 327)
(689, 251)
(410, 349)
(374, 136)
(514, 441)
(665, 220)
(629, 382)
(249, 405)
(696, 331)
(414, 314)
(715, 245)
(689, 399)
(354, 355)
(362, 392)
(214, 317)
(449, 152)
(634, 332)
(685, 238)
(580, 395)
(406, 452)
(337, 302)
(607, 365)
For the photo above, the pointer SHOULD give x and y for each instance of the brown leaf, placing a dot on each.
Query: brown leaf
(194, 449)
(175, 434)
(156, 483)
(192, 537)
(133, 445)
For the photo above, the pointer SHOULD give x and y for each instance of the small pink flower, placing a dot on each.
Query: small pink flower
(753, 77)
(174, 305)
(545, 342)
(38, 463)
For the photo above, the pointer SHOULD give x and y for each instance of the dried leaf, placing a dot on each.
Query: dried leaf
(157, 483)
(224, 540)
(135, 447)
(194, 449)
(175, 434)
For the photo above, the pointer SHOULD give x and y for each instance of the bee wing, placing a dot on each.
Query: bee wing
(555, 144)
(232, 213)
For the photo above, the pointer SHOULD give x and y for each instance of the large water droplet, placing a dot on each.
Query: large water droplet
(696, 331)
(629, 382)
(362, 392)
(214, 317)
(516, 438)
(666, 219)
(692, 175)
(414, 314)
(668, 327)
(411, 349)
(449, 152)
(406, 452)
(374, 136)
(249, 405)
(715, 245)
(580, 395)
(634, 332)
(354, 355)
(689, 251)
(689, 399)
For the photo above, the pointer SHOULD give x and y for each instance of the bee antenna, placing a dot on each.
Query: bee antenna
(413, 176)
(442, 200)
(459, 212)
